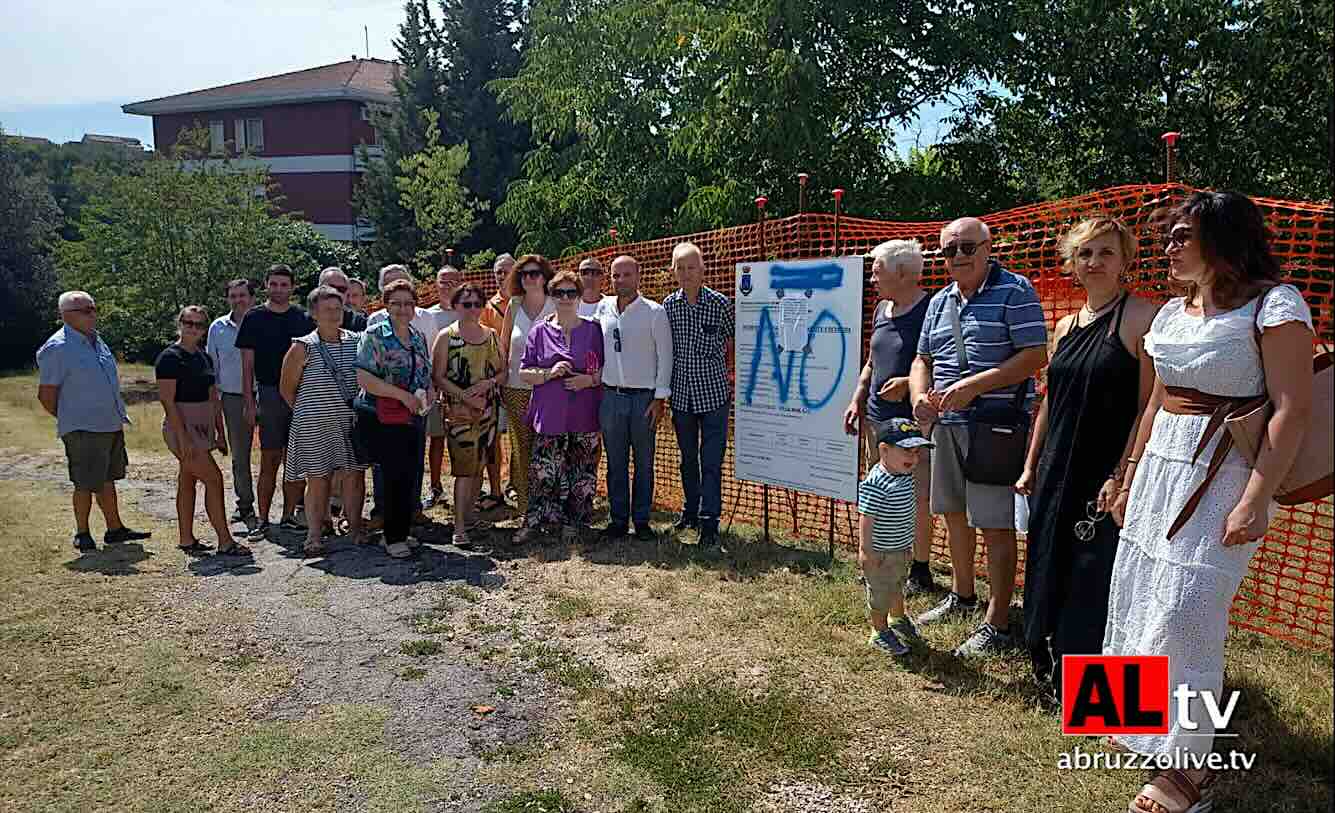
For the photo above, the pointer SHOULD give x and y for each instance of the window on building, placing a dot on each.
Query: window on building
(239, 127)
(255, 134)
(217, 144)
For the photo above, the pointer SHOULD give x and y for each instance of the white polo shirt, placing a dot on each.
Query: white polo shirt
(645, 358)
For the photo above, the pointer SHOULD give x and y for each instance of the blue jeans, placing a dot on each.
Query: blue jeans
(702, 439)
(627, 430)
(378, 476)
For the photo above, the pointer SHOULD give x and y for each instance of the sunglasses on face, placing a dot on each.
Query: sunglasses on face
(616, 339)
(342, 289)
(965, 247)
(531, 272)
(1178, 238)
(193, 323)
(468, 306)
(565, 293)
(590, 272)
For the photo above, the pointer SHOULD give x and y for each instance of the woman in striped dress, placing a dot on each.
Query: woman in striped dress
(319, 377)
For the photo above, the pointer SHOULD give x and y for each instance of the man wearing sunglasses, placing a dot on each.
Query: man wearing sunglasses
(999, 319)
(334, 277)
(591, 274)
(78, 385)
(637, 383)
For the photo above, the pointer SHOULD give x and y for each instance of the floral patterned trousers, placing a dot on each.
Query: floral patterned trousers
(562, 478)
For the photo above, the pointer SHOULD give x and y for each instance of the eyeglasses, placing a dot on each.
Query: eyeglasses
(616, 339)
(342, 289)
(565, 293)
(965, 247)
(1084, 529)
(531, 273)
(590, 272)
(85, 309)
(1178, 238)
(468, 306)
(193, 323)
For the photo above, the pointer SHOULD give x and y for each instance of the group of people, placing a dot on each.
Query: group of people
(571, 375)
(1136, 544)
(1117, 446)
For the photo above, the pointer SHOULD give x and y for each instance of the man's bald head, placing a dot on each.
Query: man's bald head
(626, 277)
(966, 228)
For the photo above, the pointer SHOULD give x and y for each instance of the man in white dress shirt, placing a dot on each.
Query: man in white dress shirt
(637, 379)
(227, 367)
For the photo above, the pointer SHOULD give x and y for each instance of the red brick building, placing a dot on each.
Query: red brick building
(305, 127)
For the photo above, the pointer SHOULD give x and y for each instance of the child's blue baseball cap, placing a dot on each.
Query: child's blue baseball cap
(903, 433)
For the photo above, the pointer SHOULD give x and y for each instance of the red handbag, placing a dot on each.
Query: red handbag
(392, 412)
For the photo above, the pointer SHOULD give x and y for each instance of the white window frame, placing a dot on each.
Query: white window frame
(217, 137)
(254, 134)
(239, 126)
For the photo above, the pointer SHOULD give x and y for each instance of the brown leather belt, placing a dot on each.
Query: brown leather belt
(1188, 401)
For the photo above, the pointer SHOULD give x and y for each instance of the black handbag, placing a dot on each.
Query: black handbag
(998, 433)
(364, 420)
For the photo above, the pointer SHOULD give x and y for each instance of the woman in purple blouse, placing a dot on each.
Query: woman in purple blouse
(563, 360)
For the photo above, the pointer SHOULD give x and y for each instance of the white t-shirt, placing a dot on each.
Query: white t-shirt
(588, 309)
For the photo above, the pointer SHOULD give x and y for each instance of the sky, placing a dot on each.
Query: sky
(70, 64)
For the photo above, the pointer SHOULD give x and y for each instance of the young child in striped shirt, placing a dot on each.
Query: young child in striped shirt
(888, 507)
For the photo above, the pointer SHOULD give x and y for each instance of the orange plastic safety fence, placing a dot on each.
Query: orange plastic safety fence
(1288, 591)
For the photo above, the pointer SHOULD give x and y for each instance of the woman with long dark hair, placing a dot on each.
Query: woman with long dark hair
(1188, 534)
(1099, 381)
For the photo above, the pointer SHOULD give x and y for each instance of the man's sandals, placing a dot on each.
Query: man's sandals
(1172, 792)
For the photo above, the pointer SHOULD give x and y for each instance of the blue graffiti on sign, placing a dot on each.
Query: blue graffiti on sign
(782, 369)
(823, 277)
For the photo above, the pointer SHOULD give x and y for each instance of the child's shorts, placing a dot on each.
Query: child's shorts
(883, 574)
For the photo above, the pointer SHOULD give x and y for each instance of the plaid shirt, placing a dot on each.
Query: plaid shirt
(700, 333)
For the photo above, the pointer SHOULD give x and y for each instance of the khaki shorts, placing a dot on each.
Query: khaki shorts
(884, 574)
(435, 421)
(987, 507)
(95, 458)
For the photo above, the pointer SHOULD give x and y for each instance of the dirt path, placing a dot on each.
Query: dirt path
(342, 620)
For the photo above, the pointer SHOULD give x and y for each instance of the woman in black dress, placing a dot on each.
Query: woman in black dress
(1098, 382)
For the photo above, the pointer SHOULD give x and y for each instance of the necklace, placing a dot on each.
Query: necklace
(1095, 313)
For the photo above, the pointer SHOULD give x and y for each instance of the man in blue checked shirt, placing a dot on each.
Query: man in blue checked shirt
(1005, 338)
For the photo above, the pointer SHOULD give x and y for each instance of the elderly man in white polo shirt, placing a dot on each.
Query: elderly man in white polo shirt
(637, 381)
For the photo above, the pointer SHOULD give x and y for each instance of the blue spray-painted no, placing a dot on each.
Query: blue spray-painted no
(783, 370)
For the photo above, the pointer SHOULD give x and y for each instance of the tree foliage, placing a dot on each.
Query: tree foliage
(448, 58)
(429, 187)
(666, 116)
(171, 233)
(1085, 89)
(29, 222)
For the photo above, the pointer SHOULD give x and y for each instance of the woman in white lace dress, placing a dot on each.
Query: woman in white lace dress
(1171, 595)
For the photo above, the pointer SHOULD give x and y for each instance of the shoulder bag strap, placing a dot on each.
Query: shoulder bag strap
(334, 370)
(953, 310)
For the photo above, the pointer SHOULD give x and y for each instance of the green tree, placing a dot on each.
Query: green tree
(29, 221)
(686, 109)
(429, 184)
(401, 132)
(480, 42)
(169, 234)
(1084, 90)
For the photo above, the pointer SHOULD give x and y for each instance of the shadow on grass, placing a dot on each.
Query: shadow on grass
(112, 560)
